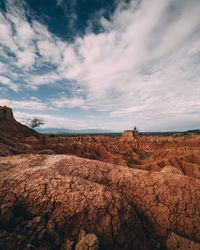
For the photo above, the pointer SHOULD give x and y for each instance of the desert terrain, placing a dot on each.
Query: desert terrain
(97, 192)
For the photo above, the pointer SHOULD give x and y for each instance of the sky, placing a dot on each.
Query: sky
(102, 64)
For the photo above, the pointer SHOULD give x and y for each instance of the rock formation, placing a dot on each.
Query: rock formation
(6, 114)
(52, 198)
(148, 200)
(129, 135)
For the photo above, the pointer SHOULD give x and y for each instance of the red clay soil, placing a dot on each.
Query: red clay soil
(47, 199)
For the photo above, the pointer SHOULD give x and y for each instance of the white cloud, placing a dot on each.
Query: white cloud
(141, 55)
(47, 78)
(49, 51)
(35, 99)
(6, 81)
(6, 34)
(20, 37)
(50, 121)
(18, 40)
(2, 67)
(142, 68)
(56, 121)
(67, 102)
(30, 105)
(25, 59)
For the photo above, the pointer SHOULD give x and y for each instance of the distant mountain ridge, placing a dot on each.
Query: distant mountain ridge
(99, 131)
(63, 130)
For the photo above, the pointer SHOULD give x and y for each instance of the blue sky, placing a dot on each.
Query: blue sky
(102, 64)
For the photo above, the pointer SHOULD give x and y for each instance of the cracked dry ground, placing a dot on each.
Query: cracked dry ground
(67, 202)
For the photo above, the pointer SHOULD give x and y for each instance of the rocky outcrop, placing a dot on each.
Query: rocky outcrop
(129, 135)
(49, 199)
(6, 114)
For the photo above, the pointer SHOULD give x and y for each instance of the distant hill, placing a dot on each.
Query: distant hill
(172, 133)
(70, 131)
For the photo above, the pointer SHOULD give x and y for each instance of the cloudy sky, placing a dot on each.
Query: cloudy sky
(109, 64)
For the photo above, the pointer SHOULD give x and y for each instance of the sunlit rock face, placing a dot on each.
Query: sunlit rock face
(129, 135)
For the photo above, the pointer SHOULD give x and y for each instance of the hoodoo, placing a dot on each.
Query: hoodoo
(129, 135)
